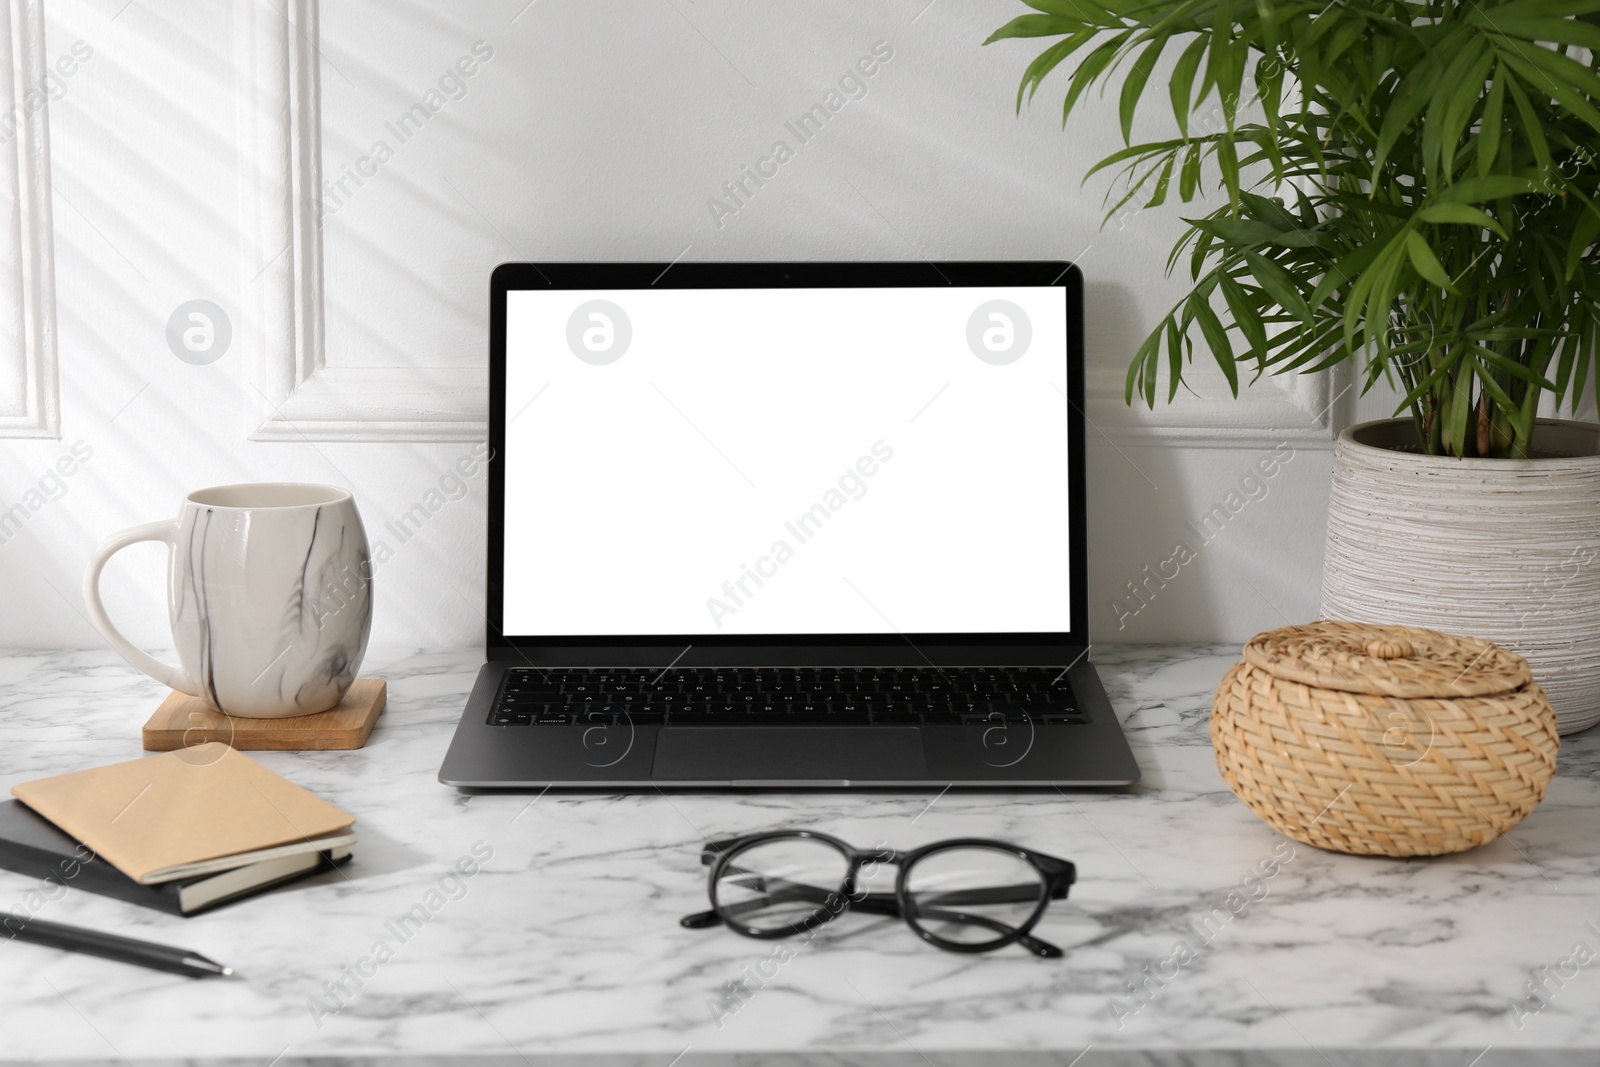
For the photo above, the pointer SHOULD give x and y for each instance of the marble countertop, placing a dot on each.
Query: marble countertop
(564, 946)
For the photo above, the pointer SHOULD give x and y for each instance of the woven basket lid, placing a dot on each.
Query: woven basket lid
(1396, 661)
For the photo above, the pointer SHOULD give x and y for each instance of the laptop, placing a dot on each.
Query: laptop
(787, 525)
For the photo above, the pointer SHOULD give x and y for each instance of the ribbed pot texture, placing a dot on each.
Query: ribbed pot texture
(1500, 549)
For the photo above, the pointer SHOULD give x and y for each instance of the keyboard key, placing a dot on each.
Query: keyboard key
(998, 712)
(1041, 710)
(643, 717)
(686, 717)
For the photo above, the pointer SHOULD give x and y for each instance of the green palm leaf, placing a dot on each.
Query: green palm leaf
(1443, 163)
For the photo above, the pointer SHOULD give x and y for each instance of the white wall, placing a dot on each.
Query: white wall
(597, 130)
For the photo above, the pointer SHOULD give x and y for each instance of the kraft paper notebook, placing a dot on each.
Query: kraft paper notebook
(32, 845)
(188, 812)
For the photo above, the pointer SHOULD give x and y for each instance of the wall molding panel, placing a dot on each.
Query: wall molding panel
(1306, 410)
(301, 393)
(298, 394)
(27, 277)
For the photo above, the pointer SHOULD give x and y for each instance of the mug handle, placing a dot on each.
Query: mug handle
(165, 532)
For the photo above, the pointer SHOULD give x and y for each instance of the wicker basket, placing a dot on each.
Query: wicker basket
(1383, 740)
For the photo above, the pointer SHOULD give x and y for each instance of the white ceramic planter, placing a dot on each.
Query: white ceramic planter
(1502, 549)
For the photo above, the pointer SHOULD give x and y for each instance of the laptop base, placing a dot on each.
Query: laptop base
(620, 754)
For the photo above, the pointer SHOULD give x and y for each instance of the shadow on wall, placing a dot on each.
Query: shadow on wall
(1190, 541)
(928, 159)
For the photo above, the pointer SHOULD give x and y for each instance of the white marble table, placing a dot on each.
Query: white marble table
(565, 947)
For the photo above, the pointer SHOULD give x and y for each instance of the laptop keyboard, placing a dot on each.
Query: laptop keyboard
(789, 696)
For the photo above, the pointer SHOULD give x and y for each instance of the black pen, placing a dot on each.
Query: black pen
(110, 946)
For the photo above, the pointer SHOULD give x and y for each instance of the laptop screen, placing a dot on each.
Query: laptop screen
(786, 461)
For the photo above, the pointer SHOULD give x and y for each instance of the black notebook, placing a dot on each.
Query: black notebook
(30, 844)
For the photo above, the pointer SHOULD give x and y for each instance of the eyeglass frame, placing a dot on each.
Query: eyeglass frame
(1057, 877)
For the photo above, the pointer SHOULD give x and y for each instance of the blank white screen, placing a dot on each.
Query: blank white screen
(795, 461)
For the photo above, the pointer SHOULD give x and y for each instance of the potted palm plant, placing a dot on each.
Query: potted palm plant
(1413, 188)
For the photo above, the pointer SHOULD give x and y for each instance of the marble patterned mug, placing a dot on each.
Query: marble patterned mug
(269, 594)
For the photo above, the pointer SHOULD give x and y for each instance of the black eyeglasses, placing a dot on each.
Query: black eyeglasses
(968, 894)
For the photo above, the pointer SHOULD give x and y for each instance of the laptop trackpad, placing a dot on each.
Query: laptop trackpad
(775, 755)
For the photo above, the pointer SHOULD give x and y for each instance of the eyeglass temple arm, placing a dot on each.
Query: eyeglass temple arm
(1037, 946)
(999, 894)
(873, 903)
(1061, 881)
(782, 891)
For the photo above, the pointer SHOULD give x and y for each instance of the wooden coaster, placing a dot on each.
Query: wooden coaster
(183, 721)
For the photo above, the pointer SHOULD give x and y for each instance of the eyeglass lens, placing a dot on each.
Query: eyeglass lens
(973, 896)
(775, 885)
